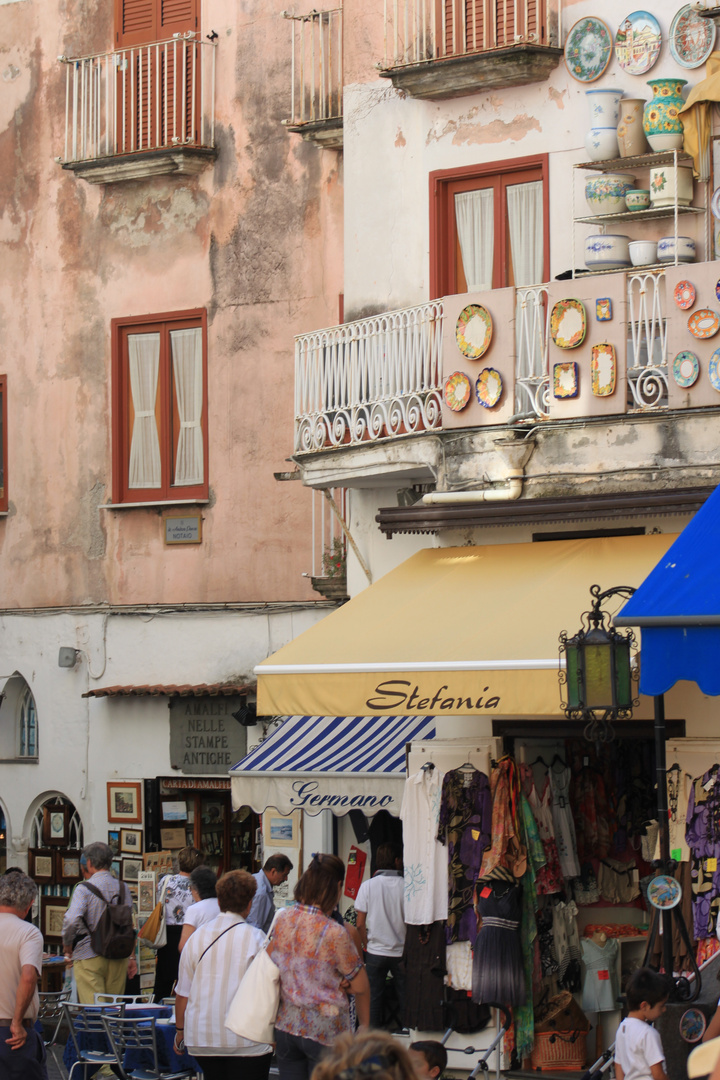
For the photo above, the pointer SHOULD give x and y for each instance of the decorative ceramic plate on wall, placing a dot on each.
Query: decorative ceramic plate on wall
(717, 289)
(692, 1025)
(684, 294)
(685, 368)
(457, 391)
(664, 892)
(704, 323)
(692, 38)
(588, 48)
(637, 42)
(489, 387)
(603, 368)
(473, 331)
(565, 380)
(568, 323)
(714, 370)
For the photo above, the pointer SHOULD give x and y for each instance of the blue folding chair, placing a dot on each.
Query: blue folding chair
(49, 1013)
(135, 1049)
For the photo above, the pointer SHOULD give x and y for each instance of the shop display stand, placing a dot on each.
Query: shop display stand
(643, 161)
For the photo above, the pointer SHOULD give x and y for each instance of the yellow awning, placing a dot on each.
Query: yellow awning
(454, 631)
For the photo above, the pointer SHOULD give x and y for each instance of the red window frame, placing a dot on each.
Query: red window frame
(499, 175)
(165, 407)
(3, 445)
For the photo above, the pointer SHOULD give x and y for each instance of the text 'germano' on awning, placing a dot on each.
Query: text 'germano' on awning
(337, 763)
(453, 631)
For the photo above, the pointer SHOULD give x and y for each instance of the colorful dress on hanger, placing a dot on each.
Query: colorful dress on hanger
(567, 945)
(425, 860)
(505, 848)
(591, 814)
(465, 821)
(498, 962)
(549, 876)
(563, 824)
(703, 836)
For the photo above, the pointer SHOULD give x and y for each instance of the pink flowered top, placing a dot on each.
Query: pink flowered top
(314, 954)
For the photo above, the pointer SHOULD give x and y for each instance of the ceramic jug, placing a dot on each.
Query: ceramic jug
(630, 135)
(662, 124)
(601, 140)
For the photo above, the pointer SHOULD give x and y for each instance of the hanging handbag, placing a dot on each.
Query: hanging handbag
(154, 932)
(255, 1006)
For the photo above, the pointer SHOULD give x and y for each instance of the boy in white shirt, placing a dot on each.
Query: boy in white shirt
(639, 1052)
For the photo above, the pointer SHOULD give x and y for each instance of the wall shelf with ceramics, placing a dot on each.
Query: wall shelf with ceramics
(673, 159)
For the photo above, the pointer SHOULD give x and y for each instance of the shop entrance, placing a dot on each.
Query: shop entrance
(204, 818)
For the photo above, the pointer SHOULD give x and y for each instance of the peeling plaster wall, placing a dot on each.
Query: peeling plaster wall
(255, 239)
(393, 142)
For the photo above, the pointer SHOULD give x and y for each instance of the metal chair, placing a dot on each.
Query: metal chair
(146, 998)
(49, 1013)
(88, 1034)
(126, 1034)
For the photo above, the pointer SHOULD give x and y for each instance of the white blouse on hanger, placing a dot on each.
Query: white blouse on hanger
(563, 823)
(425, 858)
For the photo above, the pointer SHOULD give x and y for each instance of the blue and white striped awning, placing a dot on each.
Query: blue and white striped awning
(337, 763)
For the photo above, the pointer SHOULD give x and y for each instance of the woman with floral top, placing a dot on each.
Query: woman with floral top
(178, 899)
(318, 965)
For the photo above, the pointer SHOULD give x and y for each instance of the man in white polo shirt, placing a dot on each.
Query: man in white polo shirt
(22, 1054)
(380, 907)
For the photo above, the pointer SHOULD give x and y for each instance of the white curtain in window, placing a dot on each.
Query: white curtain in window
(144, 355)
(474, 219)
(188, 371)
(525, 219)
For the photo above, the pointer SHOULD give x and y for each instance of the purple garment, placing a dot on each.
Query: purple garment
(465, 824)
(702, 832)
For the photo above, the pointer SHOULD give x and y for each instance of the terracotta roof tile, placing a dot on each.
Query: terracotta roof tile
(173, 690)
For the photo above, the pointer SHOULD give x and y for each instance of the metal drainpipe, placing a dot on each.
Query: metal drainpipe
(511, 489)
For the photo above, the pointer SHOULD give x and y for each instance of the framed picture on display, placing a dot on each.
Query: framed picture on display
(42, 865)
(52, 913)
(278, 831)
(114, 840)
(131, 842)
(68, 867)
(124, 802)
(115, 868)
(56, 817)
(129, 870)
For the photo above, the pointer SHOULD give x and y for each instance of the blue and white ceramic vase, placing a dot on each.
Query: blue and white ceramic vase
(661, 123)
(601, 140)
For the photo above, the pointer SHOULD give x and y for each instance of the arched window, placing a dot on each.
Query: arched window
(76, 838)
(27, 725)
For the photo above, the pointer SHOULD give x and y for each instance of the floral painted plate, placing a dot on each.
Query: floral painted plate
(588, 47)
(691, 39)
(457, 391)
(704, 323)
(603, 368)
(692, 1025)
(489, 387)
(637, 42)
(715, 204)
(684, 294)
(717, 289)
(473, 331)
(714, 370)
(565, 380)
(664, 892)
(568, 323)
(685, 368)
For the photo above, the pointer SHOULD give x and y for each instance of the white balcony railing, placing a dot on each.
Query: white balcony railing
(369, 379)
(532, 320)
(418, 31)
(150, 97)
(647, 340)
(317, 66)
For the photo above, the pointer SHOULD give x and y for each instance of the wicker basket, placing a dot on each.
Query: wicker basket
(559, 1051)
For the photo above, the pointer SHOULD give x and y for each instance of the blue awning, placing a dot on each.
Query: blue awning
(337, 763)
(677, 608)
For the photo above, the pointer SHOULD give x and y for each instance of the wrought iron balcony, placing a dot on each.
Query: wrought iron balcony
(142, 111)
(455, 47)
(317, 77)
(382, 378)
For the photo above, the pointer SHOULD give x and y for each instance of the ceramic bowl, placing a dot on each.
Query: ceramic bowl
(605, 194)
(607, 252)
(686, 249)
(643, 252)
(637, 199)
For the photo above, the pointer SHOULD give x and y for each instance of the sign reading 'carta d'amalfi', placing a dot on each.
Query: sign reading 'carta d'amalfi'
(204, 735)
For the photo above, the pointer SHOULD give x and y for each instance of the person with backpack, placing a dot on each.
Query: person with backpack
(98, 932)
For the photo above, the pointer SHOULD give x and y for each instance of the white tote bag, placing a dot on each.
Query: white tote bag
(254, 1008)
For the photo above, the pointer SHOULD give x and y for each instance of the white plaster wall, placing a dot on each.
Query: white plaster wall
(392, 142)
(84, 742)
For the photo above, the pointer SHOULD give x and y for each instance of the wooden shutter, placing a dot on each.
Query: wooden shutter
(177, 16)
(136, 22)
(478, 25)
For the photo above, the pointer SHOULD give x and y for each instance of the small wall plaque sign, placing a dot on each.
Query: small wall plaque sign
(184, 530)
